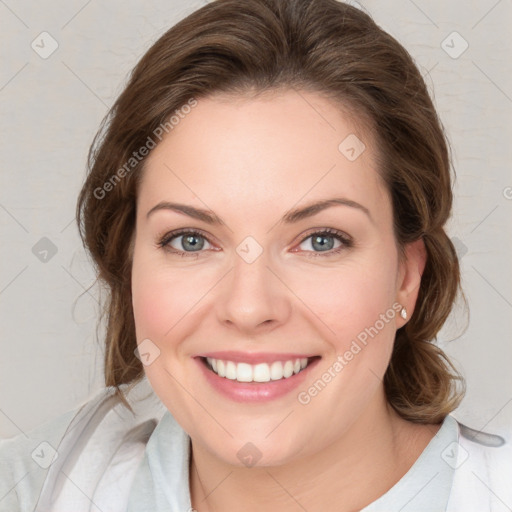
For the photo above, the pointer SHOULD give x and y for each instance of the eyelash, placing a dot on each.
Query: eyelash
(346, 242)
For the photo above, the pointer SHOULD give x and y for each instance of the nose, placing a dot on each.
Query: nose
(252, 299)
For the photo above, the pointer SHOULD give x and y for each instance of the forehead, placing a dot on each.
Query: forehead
(270, 150)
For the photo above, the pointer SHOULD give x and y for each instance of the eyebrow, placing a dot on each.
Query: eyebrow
(289, 217)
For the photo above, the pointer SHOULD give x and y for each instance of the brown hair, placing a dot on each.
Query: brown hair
(325, 46)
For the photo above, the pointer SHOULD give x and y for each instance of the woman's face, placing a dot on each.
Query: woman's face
(232, 262)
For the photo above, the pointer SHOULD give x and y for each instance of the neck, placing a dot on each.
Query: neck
(346, 476)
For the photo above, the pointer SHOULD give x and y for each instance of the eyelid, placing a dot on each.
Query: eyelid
(164, 240)
(345, 239)
(346, 242)
(330, 231)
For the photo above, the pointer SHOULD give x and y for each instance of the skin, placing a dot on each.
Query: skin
(251, 160)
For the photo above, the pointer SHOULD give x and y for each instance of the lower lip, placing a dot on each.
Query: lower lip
(254, 391)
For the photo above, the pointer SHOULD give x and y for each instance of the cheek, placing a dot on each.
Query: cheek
(165, 297)
(159, 304)
(160, 298)
(351, 298)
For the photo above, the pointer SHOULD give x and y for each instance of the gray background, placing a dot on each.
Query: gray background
(51, 108)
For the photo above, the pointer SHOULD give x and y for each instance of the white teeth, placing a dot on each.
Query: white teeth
(276, 370)
(288, 369)
(262, 372)
(213, 363)
(244, 372)
(221, 368)
(230, 370)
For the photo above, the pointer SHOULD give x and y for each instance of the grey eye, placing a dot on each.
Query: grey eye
(320, 242)
(190, 242)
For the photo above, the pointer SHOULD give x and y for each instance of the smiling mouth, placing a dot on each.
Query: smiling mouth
(261, 372)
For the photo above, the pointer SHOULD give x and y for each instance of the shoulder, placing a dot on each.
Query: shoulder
(483, 471)
(492, 449)
(25, 458)
(32, 465)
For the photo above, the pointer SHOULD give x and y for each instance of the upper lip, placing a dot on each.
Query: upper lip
(254, 357)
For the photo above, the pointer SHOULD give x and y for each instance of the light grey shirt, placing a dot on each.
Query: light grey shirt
(424, 488)
(427, 484)
(102, 457)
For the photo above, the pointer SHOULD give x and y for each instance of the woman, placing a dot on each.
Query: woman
(266, 203)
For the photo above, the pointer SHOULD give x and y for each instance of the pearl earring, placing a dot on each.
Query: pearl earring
(403, 313)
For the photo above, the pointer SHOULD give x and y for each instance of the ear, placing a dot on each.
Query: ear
(409, 276)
